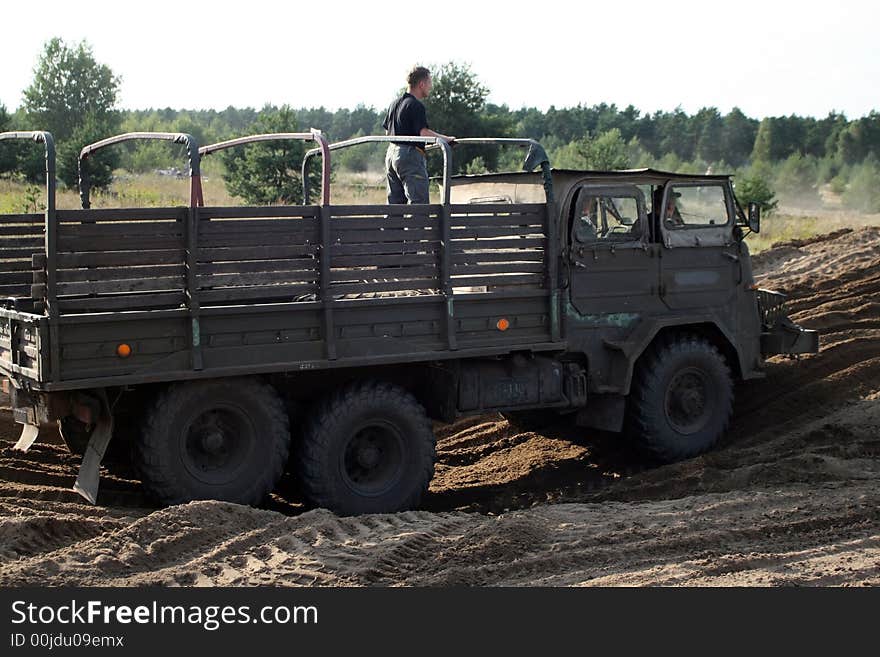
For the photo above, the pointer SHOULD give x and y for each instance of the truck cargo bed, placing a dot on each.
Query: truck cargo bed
(200, 292)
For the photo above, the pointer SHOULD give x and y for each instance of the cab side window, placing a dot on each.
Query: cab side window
(692, 206)
(600, 217)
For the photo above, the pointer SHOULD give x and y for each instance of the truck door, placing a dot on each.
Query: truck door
(614, 270)
(699, 263)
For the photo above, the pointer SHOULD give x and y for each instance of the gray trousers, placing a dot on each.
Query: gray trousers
(406, 172)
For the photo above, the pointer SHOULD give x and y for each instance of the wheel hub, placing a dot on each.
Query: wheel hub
(691, 402)
(216, 442)
(213, 442)
(372, 461)
(368, 456)
(687, 401)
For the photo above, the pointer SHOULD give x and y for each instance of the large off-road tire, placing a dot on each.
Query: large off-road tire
(681, 400)
(368, 448)
(223, 439)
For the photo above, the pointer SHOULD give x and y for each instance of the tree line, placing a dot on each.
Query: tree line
(75, 97)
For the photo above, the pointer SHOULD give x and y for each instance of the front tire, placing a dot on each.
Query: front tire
(368, 448)
(224, 439)
(682, 399)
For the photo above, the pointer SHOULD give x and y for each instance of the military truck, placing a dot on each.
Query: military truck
(225, 344)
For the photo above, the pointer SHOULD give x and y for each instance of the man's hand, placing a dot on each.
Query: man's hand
(427, 132)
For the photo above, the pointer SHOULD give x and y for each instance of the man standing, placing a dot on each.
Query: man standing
(406, 165)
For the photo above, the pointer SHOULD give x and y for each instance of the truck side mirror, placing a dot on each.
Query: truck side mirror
(754, 217)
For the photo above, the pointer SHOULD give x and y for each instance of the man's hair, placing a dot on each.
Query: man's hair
(416, 75)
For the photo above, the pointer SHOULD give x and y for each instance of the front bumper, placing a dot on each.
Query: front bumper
(780, 335)
(786, 337)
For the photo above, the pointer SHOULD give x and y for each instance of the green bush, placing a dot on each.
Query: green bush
(863, 192)
(838, 184)
(607, 152)
(827, 169)
(567, 156)
(755, 187)
(268, 172)
(476, 166)
(669, 162)
(796, 176)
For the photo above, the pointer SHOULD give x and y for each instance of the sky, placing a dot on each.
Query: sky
(767, 58)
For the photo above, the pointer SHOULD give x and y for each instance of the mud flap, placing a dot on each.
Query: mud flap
(88, 479)
(29, 433)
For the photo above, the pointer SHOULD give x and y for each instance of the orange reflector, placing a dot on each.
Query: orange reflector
(754, 286)
(502, 324)
(123, 350)
(4, 385)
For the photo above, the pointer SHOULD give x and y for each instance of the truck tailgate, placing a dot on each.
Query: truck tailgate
(21, 336)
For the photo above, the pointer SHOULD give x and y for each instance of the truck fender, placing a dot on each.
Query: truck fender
(644, 335)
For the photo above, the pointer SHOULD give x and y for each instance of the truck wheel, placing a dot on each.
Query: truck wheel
(681, 401)
(368, 448)
(224, 439)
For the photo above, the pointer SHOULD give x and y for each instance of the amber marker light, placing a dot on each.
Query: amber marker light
(123, 350)
(502, 324)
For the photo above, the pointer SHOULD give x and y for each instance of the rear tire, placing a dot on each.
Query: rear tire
(368, 448)
(682, 399)
(224, 439)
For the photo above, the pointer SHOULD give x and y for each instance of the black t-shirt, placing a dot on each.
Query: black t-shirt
(406, 117)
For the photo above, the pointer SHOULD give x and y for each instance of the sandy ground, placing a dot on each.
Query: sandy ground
(790, 498)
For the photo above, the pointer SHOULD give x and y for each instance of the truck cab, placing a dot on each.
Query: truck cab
(647, 257)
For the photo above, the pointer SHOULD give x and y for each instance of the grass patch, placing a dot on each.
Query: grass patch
(790, 225)
(151, 190)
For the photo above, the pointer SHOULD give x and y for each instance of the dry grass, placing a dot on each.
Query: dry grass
(153, 190)
(145, 190)
(793, 223)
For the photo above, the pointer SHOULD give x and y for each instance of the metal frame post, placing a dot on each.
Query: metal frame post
(192, 290)
(446, 274)
(192, 151)
(50, 239)
(326, 294)
(313, 135)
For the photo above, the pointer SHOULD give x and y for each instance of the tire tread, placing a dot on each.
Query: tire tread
(159, 480)
(326, 419)
(645, 415)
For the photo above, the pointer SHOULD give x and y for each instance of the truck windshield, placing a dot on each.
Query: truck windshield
(695, 205)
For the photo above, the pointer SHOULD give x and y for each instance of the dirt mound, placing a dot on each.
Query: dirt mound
(816, 239)
(801, 266)
(791, 497)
